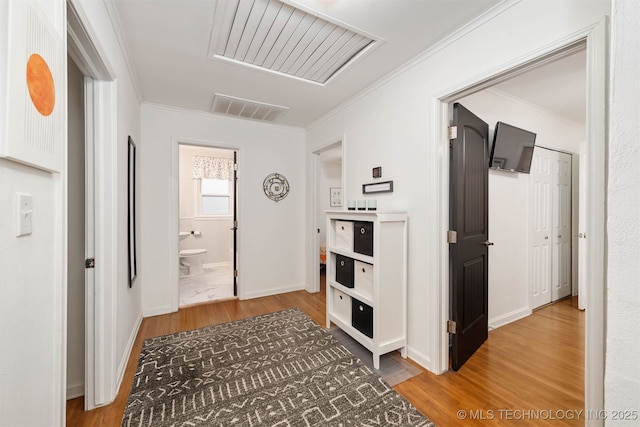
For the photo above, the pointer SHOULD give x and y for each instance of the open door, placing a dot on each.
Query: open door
(468, 249)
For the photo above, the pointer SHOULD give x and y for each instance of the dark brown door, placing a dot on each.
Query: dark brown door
(468, 257)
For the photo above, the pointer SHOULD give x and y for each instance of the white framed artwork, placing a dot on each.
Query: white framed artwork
(35, 87)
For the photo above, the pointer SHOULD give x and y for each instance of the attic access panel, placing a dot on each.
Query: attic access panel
(275, 36)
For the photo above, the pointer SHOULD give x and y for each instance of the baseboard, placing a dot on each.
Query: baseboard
(157, 311)
(507, 318)
(216, 265)
(420, 358)
(273, 291)
(127, 352)
(75, 390)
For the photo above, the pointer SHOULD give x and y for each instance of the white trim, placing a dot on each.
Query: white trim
(127, 352)
(87, 54)
(440, 341)
(272, 291)
(224, 264)
(75, 390)
(597, 122)
(507, 318)
(596, 39)
(157, 311)
(116, 23)
(420, 358)
(106, 249)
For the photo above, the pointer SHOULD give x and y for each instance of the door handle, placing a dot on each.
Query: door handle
(487, 243)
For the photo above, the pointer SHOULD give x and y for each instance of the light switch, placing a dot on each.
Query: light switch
(25, 214)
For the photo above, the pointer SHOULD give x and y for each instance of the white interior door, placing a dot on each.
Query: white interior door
(90, 237)
(561, 268)
(550, 186)
(541, 182)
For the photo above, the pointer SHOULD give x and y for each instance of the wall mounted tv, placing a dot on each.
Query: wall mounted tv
(512, 148)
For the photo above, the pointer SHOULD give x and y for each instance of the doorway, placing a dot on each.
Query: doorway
(75, 235)
(207, 224)
(100, 215)
(595, 39)
(328, 195)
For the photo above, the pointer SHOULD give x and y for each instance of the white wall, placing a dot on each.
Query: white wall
(509, 199)
(271, 235)
(32, 269)
(76, 239)
(392, 125)
(622, 373)
(216, 234)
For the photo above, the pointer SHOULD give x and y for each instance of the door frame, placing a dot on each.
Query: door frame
(314, 159)
(101, 208)
(595, 38)
(174, 253)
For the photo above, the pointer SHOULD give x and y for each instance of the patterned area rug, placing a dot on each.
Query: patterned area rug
(277, 369)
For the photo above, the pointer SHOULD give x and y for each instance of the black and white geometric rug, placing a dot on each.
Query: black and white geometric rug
(277, 369)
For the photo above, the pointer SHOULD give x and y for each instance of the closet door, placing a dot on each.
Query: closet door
(541, 193)
(550, 253)
(561, 280)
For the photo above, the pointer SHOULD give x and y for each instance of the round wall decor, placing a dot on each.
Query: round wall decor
(276, 186)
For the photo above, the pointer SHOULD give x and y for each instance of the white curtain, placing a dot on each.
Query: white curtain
(212, 168)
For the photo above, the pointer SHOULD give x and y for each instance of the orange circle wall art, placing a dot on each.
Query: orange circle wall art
(41, 86)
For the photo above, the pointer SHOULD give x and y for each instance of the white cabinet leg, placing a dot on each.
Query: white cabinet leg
(376, 361)
(403, 352)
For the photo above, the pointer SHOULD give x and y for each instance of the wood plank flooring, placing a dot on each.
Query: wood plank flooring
(533, 368)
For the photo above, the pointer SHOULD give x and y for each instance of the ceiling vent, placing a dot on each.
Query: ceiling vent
(275, 36)
(225, 104)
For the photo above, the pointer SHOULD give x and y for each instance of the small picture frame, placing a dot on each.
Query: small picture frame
(378, 187)
(335, 197)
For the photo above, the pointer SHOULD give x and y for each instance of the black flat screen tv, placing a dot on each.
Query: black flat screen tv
(512, 148)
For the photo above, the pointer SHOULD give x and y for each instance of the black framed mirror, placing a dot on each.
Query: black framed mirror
(131, 203)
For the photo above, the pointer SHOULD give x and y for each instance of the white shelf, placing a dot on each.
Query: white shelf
(367, 299)
(351, 254)
(387, 281)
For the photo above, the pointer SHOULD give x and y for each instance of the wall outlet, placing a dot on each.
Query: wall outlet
(25, 214)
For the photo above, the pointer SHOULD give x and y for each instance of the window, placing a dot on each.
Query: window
(215, 197)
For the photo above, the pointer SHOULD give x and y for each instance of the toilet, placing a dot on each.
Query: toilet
(191, 262)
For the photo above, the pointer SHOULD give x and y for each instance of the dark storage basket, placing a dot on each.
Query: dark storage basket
(362, 317)
(344, 270)
(363, 237)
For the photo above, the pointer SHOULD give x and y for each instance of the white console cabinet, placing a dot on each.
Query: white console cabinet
(367, 278)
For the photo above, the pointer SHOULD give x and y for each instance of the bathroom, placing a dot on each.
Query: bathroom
(207, 205)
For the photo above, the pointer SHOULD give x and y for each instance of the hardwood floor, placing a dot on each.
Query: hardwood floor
(529, 372)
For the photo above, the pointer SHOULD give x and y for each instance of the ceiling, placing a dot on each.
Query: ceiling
(176, 51)
(559, 87)
(171, 46)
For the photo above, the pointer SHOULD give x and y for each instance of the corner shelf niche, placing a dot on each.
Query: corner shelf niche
(367, 278)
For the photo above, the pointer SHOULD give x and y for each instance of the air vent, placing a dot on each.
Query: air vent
(225, 104)
(281, 38)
